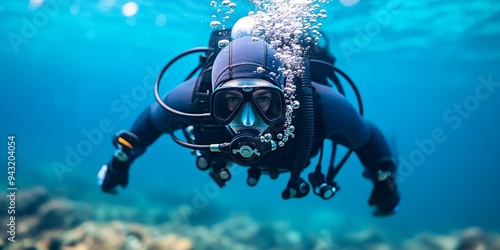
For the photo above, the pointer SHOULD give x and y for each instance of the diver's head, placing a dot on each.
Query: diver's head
(247, 86)
(247, 96)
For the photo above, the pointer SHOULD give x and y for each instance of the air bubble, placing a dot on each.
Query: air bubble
(268, 136)
(260, 70)
(298, 32)
(214, 24)
(223, 43)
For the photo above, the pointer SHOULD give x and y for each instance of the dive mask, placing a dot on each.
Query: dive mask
(240, 98)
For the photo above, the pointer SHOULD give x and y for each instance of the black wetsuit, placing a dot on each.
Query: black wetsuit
(334, 119)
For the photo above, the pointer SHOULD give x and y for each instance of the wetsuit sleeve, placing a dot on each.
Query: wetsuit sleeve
(343, 124)
(155, 120)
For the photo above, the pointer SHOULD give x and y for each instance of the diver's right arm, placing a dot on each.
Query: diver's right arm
(345, 126)
(149, 126)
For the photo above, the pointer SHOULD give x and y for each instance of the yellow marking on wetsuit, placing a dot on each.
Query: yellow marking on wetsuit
(124, 142)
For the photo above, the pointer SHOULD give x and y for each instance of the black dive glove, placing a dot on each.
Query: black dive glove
(116, 171)
(113, 174)
(385, 196)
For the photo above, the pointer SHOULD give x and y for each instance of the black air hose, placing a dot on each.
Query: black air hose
(305, 133)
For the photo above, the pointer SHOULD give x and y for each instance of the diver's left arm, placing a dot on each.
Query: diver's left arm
(343, 124)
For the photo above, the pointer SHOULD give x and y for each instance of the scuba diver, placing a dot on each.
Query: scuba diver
(240, 110)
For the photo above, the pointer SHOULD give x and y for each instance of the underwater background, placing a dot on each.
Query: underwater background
(73, 73)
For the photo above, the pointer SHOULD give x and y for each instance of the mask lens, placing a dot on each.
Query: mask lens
(270, 104)
(225, 104)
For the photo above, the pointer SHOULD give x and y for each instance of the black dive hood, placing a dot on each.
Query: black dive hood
(241, 59)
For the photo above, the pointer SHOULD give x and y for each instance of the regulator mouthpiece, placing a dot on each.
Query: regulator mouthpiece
(247, 149)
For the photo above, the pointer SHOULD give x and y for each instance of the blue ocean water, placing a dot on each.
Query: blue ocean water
(75, 72)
